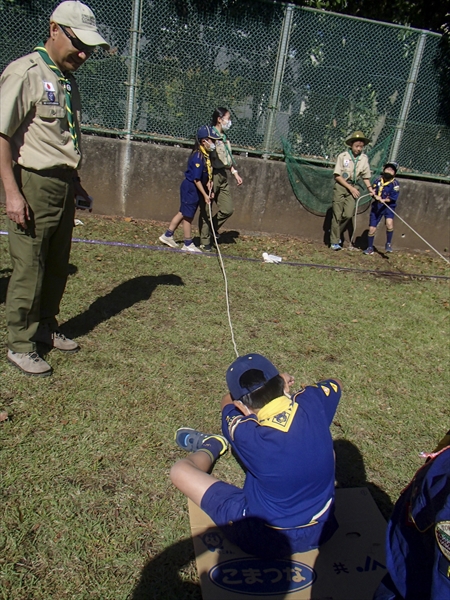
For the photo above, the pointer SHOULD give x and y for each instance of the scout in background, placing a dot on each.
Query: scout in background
(351, 166)
(222, 162)
(387, 190)
(285, 445)
(196, 185)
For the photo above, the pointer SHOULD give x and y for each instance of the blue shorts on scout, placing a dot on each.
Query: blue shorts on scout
(380, 210)
(227, 506)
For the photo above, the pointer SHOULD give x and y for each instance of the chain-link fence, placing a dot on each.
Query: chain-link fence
(298, 74)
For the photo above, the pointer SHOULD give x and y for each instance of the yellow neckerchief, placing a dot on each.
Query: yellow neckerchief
(278, 414)
(381, 185)
(208, 162)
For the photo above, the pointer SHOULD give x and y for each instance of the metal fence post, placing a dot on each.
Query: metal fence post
(279, 74)
(135, 21)
(407, 98)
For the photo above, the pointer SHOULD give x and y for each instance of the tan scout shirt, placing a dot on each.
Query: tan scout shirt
(221, 156)
(345, 167)
(33, 115)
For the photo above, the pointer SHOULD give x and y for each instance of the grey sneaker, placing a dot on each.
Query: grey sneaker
(168, 241)
(30, 363)
(55, 339)
(191, 248)
(191, 440)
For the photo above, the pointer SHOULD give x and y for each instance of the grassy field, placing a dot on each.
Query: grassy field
(86, 507)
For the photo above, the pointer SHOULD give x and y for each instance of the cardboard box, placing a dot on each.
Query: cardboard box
(348, 567)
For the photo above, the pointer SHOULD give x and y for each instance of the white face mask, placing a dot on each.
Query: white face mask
(226, 126)
(211, 147)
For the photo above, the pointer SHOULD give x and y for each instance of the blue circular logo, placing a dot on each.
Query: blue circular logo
(259, 577)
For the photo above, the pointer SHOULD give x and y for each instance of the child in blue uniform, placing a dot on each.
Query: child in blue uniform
(387, 190)
(197, 184)
(285, 445)
(418, 534)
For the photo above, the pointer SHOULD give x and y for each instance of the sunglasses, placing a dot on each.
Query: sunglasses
(78, 44)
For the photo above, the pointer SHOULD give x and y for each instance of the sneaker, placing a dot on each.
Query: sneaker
(55, 339)
(168, 241)
(30, 363)
(206, 247)
(191, 440)
(191, 248)
(388, 248)
(368, 250)
(335, 247)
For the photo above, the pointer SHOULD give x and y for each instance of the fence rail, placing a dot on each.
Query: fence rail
(292, 73)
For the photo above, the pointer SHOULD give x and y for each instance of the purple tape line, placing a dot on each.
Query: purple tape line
(257, 260)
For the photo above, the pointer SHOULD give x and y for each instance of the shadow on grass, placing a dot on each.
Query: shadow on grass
(350, 473)
(4, 280)
(160, 578)
(120, 298)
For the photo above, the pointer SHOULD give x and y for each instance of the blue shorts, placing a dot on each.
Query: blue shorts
(378, 211)
(189, 198)
(227, 506)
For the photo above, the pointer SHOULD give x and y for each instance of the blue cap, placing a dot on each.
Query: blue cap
(207, 132)
(243, 364)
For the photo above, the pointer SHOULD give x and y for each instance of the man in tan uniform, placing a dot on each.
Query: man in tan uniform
(39, 157)
(351, 165)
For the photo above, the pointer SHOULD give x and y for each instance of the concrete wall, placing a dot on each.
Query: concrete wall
(142, 180)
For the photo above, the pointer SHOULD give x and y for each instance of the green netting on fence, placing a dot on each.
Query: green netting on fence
(305, 75)
(313, 184)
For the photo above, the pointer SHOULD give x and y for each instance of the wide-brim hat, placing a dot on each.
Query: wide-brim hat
(357, 136)
(243, 364)
(205, 131)
(81, 20)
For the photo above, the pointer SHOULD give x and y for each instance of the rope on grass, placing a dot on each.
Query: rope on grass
(402, 220)
(222, 267)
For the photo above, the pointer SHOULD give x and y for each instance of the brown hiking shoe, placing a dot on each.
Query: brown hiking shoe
(55, 339)
(30, 363)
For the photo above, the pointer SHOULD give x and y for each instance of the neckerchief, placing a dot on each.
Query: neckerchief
(355, 160)
(65, 82)
(381, 185)
(208, 162)
(227, 150)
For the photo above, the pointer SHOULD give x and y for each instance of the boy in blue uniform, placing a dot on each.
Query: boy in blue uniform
(197, 184)
(284, 442)
(418, 534)
(387, 190)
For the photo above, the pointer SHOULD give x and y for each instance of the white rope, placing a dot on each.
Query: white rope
(402, 220)
(418, 235)
(225, 279)
(355, 215)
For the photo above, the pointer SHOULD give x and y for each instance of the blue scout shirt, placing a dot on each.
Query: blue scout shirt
(288, 452)
(418, 537)
(389, 190)
(196, 168)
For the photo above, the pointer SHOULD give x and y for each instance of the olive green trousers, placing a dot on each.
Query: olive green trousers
(39, 254)
(225, 208)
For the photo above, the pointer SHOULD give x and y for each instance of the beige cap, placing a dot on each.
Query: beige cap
(81, 20)
(357, 136)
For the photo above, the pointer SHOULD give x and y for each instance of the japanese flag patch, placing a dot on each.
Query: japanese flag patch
(48, 86)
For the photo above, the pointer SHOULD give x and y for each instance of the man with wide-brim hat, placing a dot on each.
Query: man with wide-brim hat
(351, 166)
(40, 153)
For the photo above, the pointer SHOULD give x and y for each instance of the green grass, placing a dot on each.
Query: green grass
(86, 507)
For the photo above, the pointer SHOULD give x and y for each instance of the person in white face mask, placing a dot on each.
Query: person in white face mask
(196, 186)
(222, 162)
